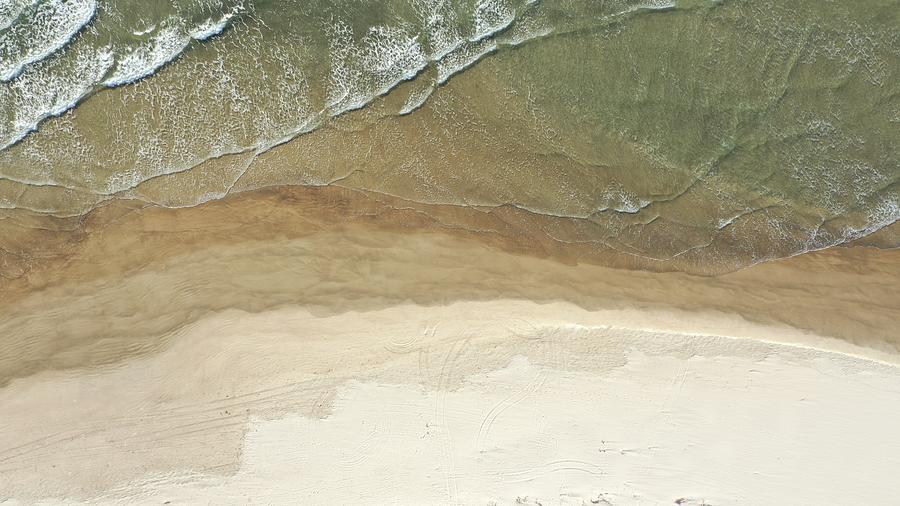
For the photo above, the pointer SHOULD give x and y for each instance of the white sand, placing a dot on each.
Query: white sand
(499, 402)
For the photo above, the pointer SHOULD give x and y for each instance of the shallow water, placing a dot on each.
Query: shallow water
(229, 227)
(702, 133)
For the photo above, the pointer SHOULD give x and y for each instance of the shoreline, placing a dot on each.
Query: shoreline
(428, 252)
(195, 347)
(135, 276)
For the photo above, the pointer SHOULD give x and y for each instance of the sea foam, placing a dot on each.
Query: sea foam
(439, 27)
(417, 98)
(463, 58)
(211, 28)
(10, 10)
(162, 48)
(46, 91)
(166, 45)
(491, 16)
(32, 38)
(386, 57)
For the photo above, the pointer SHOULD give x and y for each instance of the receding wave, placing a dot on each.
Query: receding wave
(10, 11)
(38, 33)
(162, 47)
(50, 89)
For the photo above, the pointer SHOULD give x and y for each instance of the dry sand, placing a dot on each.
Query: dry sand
(308, 347)
(497, 402)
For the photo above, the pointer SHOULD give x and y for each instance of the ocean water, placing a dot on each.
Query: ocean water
(711, 132)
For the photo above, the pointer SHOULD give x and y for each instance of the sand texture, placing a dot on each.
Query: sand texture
(450, 252)
(213, 354)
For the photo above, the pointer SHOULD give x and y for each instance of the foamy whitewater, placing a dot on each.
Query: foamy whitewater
(689, 132)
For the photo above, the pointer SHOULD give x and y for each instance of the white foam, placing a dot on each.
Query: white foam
(463, 58)
(167, 44)
(144, 60)
(416, 99)
(885, 213)
(392, 56)
(491, 16)
(386, 57)
(10, 10)
(652, 5)
(528, 27)
(617, 198)
(53, 24)
(342, 75)
(211, 28)
(724, 223)
(440, 29)
(145, 31)
(46, 91)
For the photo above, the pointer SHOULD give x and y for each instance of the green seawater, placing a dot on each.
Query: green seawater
(726, 132)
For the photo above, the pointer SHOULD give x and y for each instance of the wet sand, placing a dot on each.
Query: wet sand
(435, 252)
(226, 351)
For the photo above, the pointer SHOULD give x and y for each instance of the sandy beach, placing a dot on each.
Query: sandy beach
(502, 402)
(449, 252)
(354, 360)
